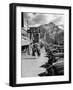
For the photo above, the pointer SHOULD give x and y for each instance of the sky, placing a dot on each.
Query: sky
(36, 19)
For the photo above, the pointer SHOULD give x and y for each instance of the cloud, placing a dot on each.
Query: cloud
(35, 19)
(59, 20)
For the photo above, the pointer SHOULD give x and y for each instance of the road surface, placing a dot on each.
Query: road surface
(31, 66)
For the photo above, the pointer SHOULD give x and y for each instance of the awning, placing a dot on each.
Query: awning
(25, 42)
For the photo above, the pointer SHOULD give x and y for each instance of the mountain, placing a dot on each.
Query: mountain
(51, 32)
(48, 32)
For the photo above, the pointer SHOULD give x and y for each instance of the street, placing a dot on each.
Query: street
(31, 66)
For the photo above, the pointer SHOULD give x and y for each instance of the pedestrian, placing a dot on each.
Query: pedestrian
(35, 50)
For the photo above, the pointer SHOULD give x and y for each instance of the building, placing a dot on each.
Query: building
(34, 34)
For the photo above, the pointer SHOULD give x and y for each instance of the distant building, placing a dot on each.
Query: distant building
(34, 34)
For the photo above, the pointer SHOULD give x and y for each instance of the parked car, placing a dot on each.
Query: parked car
(55, 69)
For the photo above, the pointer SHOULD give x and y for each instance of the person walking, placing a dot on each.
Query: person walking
(35, 50)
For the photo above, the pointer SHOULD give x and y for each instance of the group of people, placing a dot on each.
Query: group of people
(35, 50)
(36, 47)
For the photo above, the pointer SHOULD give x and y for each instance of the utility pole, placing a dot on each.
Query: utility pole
(28, 34)
(45, 36)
